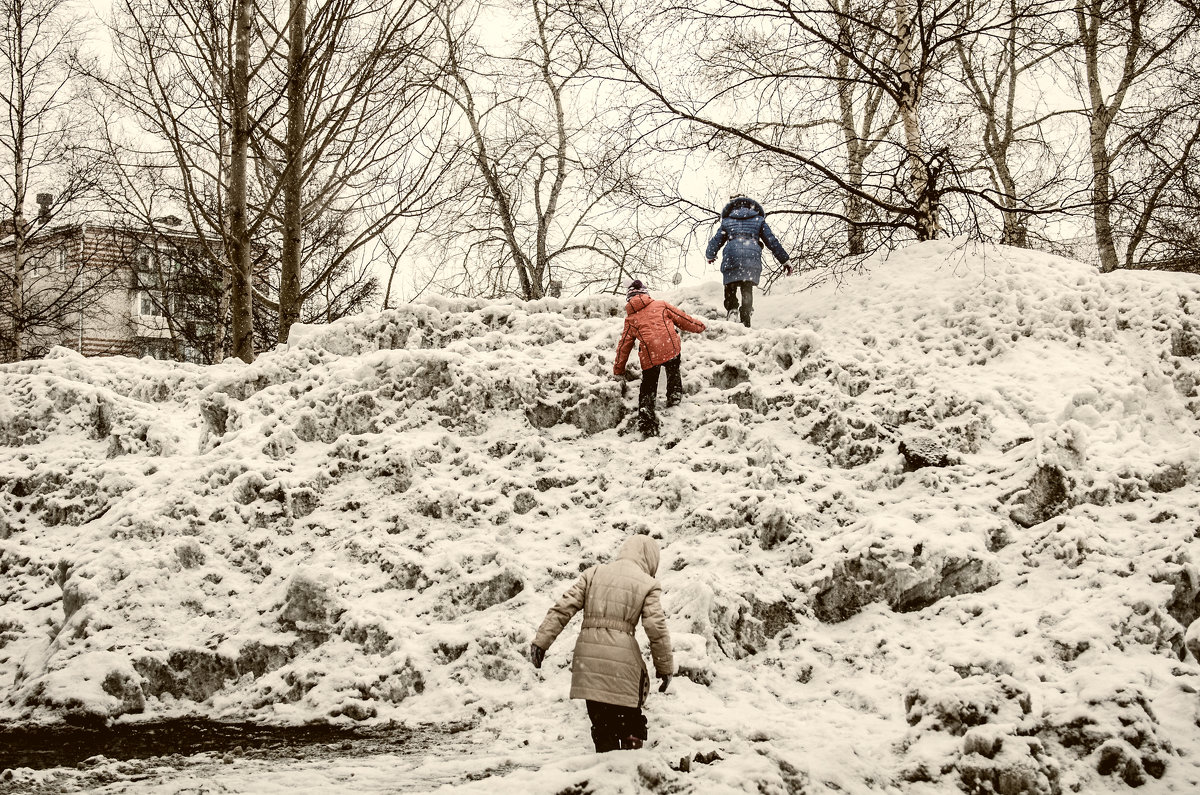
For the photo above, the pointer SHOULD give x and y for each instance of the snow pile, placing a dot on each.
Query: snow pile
(927, 530)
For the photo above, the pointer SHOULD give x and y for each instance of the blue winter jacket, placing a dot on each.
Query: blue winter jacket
(744, 228)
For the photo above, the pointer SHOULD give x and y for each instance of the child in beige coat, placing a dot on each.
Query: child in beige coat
(607, 670)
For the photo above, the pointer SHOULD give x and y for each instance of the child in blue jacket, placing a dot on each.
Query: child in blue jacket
(743, 233)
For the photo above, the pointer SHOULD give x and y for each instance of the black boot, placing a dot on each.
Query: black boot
(605, 741)
(647, 422)
(674, 382)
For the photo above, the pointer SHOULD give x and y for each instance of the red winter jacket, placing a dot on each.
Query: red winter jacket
(652, 323)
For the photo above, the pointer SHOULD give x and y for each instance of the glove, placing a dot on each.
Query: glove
(787, 269)
(536, 655)
(711, 261)
(665, 682)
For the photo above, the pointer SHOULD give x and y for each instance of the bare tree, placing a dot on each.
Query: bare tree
(186, 76)
(292, 221)
(540, 207)
(237, 239)
(41, 141)
(910, 84)
(390, 249)
(830, 97)
(358, 148)
(864, 119)
(339, 133)
(889, 119)
(1173, 237)
(1125, 51)
(810, 78)
(1157, 193)
(1001, 73)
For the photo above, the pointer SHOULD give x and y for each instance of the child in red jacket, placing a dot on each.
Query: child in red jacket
(654, 324)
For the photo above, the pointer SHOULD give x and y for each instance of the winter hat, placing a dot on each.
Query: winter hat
(635, 287)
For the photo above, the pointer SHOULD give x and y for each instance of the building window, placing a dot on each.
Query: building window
(44, 260)
(37, 263)
(148, 304)
(144, 259)
(171, 266)
(155, 349)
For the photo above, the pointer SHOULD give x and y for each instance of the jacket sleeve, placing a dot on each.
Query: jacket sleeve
(558, 616)
(715, 244)
(773, 243)
(684, 320)
(624, 347)
(654, 622)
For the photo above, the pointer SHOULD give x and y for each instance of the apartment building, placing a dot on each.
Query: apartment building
(121, 289)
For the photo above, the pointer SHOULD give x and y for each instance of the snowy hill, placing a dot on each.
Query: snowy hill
(369, 524)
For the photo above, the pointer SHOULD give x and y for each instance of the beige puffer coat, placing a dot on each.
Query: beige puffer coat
(608, 664)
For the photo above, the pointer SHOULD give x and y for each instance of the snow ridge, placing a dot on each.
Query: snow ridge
(369, 523)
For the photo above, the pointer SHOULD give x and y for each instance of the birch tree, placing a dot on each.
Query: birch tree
(1002, 74)
(865, 119)
(1125, 49)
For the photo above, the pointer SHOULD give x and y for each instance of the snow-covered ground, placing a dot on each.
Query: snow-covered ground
(367, 526)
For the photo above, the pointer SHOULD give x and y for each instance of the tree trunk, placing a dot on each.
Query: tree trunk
(293, 178)
(1015, 232)
(18, 280)
(908, 104)
(1101, 202)
(1101, 195)
(18, 255)
(239, 238)
(1016, 228)
(856, 243)
(220, 328)
(855, 157)
(1089, 19)
(20, 178)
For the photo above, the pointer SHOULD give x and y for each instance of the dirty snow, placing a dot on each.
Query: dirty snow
(367, 525)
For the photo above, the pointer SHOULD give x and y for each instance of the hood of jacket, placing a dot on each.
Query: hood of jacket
(638, 303)
(642, 550)
(742, 207)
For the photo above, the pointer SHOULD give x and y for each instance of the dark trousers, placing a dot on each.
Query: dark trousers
(648, 394)
(615, 728)
(747, 305)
